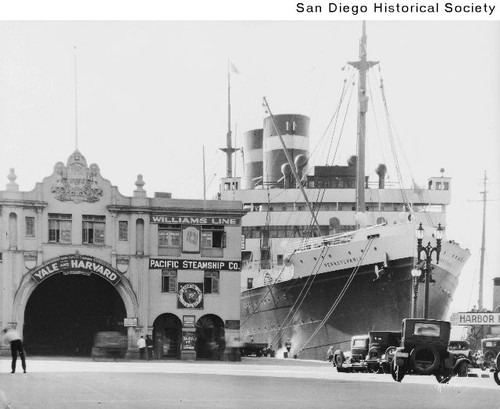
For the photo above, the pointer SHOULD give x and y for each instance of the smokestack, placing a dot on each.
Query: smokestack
(381, 172)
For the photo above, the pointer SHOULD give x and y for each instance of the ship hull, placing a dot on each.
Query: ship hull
(281, 312)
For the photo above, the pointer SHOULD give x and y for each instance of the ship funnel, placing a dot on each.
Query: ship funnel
(253, 158)
(286, 170)
(294, 129)
(300, 163)
(381, 171)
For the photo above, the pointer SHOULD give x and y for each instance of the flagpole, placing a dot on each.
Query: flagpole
(204, 177)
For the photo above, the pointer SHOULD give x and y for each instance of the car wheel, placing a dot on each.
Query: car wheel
(497, 362)
(495, 376)
(397, 372)
(424, 359)
(443, 378)
(462, 370)
(339, 359)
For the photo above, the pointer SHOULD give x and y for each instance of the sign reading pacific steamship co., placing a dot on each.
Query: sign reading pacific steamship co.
(76, 264)
(194, 264)
(197, 220)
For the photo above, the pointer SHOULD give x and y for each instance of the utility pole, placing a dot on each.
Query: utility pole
(483, 247)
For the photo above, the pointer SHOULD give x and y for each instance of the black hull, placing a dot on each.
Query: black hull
(368, 304)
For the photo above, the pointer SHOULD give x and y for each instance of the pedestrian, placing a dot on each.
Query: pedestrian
(149, 347)
(141, 344)
(16, 346)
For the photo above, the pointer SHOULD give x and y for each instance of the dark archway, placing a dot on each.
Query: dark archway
(167, 331)
(64, 313)
(210, 337)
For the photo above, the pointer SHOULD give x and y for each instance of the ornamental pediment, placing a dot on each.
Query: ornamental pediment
(76, 181)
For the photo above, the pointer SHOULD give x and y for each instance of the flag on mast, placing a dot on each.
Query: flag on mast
(233, 68)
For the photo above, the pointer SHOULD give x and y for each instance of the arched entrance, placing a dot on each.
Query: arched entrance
(167, 331)
(64, 313)
(210, 337)
(109, 299)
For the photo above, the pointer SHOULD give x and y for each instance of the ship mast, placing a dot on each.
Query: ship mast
(362, 66)
(229, 150)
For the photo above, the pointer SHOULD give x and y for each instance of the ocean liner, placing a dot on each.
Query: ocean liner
(329, 255)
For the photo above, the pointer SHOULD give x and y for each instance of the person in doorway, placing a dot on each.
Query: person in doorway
(141, 344)
(16, 346)
(149, 347)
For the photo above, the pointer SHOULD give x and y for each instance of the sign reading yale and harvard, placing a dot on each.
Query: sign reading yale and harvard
(76, 264)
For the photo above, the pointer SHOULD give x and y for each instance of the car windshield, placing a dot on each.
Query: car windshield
(427, 329)
(358, 343)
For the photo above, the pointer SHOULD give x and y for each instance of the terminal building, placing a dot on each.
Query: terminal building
(78, 258)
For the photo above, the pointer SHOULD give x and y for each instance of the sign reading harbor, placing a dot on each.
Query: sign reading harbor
(76, 264)
(475, 318)
(194, 264)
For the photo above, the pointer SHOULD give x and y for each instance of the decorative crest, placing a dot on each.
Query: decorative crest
(76, 181)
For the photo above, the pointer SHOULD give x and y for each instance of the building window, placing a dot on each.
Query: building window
(168, 281)
(122, 230)
(30, 226)
(279, 259)
(13, 231)
(211, 283)
(213, 236)
(139, 236)
(93, 229)
(59, 228)
(169, 235)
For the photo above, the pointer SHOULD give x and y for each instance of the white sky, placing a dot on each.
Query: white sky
(151, 94)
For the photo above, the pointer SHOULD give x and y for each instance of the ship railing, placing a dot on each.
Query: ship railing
(317, 242)
(266, 276)
(330, 240)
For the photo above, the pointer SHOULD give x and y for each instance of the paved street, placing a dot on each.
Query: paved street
(253, 383)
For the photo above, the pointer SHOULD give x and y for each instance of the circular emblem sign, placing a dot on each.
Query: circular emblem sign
(190, 295)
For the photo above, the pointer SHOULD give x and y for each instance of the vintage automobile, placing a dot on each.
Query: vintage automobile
(353, 360)
(381, 348)
(462, 349)
(424, 351)
(491, 348)
(255, 348)
(496, 371)
(109, 344)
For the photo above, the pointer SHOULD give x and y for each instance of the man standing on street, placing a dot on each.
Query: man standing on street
(16, 345)
(141, 344)
(149, 346)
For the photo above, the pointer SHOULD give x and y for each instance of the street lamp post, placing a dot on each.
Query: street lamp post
(428, 250)
(415, 273)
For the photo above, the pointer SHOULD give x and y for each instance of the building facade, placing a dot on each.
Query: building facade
(78, 258)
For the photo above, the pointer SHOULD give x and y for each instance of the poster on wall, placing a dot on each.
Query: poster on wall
(190, 239)
(188, 321)
(188, 340)
(190, 295)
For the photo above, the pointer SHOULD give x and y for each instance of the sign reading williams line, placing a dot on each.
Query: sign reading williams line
(164, 219)
(194, 264)
(76, 264)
